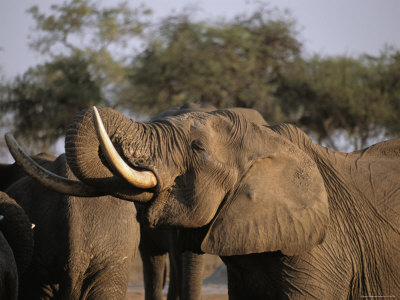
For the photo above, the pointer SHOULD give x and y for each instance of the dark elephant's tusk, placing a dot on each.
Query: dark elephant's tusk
(139, 179)
(45, 177)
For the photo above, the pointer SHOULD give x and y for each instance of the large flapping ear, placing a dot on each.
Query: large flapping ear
(280, 204)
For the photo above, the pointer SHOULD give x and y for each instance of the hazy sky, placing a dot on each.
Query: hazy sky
(330, 27)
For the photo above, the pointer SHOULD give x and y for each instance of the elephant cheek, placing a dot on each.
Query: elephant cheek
(168, 210)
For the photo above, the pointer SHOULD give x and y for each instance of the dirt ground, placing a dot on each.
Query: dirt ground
(214, 280)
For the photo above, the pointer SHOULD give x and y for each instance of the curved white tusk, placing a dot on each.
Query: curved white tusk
(45, 177)
(1, 217)
(33, 226)
(139, 179)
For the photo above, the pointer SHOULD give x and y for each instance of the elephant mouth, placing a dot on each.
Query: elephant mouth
(142, 214)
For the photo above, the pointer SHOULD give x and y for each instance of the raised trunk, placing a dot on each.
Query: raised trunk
(86, 159)
(141, 179)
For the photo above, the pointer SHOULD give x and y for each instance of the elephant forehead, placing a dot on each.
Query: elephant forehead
(191, 117)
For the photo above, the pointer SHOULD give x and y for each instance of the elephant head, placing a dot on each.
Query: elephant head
(255, 190)
(250, 188)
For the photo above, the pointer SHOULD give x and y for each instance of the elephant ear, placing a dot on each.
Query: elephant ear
(280, 204)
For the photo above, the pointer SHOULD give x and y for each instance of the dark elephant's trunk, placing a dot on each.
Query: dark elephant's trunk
(17, 229)
(87, 161)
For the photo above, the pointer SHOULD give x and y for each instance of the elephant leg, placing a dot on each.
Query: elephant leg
(154, 273)
(175, 276)
(192, 279)
(109, 282)
(175, 262)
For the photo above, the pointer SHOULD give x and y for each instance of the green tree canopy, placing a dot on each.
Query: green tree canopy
(45, 99)
(105, 36)
(86, 45)
(387, 81)
(356, 96)
(229, 63)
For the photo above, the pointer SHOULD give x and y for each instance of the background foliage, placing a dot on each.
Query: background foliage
(120, 56)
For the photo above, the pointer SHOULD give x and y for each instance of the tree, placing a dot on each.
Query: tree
(104, 36)
(45, 99)
(4, 121)
(81, 39)
(387, 81)
(237, 62)
(340, 94)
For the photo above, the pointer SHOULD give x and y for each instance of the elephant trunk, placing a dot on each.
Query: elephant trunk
(92, 163)
(17, 229)
(139, 179)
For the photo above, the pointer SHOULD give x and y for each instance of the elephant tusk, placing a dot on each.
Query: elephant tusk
(33, 226)
(46, 178)
(139, 179)
(1, 217)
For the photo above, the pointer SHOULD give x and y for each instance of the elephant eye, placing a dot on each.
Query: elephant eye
(197, 146)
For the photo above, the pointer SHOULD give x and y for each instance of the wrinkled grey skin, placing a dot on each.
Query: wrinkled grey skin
(83, 246)
(290, 219)
(16, 246)
(186, 267)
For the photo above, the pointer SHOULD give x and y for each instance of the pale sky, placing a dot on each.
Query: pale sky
(328, 27)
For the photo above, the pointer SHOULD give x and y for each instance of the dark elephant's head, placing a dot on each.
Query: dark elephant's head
(17, 230)
(255, 190)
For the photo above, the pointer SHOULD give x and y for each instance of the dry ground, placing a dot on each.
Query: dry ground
(210, 291)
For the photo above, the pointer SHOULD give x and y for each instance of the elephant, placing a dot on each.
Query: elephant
(290, 219)
(185, 266)
(156, 244)
(83, 246)
(16, 246)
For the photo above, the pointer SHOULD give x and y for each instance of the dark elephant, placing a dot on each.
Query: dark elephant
(83, 246)
(16, 246)
(290, 219)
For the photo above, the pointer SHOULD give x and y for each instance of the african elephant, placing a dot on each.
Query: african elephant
(16, 246)
(290, 219)
(83, 246)
(157, 244)
(186, 267)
